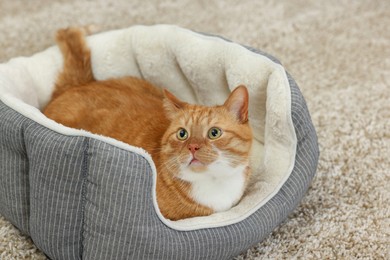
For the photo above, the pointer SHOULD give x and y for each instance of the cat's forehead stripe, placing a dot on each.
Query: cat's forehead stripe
(200, 115)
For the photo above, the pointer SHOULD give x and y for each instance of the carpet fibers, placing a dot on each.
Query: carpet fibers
(339, 54)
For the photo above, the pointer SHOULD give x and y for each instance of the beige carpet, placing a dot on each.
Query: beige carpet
(339, 53)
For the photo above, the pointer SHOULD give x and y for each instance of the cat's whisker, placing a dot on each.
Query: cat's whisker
(173, 162)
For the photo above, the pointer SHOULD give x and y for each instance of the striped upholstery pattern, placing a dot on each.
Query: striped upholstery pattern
(78, 197)
(14, 168)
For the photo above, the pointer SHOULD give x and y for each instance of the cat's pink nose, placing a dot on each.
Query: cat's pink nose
(193, 147)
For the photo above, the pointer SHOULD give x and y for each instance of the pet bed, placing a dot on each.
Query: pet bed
(80, 195)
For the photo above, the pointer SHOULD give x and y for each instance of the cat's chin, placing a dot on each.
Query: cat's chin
(197, 166)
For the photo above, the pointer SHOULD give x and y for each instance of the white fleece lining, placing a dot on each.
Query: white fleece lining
(196, 68)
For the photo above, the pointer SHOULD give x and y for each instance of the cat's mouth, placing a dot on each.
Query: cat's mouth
(196, 165)
(195, 161)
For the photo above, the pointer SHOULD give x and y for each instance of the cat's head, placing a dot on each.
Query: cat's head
(205, 140)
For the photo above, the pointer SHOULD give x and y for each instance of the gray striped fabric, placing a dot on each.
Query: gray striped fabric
(78, 197)
(14, 179)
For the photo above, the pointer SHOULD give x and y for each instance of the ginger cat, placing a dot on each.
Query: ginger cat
(201, 153)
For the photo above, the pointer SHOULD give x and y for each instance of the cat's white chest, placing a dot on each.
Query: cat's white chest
(219, 188)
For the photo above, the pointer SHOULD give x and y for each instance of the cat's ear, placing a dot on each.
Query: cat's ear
(172, 104)
(237, 103)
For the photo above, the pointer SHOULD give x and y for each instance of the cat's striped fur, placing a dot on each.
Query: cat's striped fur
(201, 153)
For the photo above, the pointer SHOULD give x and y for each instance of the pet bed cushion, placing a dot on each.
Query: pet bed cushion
(80, 195)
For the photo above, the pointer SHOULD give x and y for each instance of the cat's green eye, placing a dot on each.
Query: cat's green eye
(182, 134)
(214, 133)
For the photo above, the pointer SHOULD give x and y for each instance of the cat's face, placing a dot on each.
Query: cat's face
(207, 140)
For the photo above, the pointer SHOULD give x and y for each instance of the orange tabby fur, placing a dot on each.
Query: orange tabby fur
(134, 111)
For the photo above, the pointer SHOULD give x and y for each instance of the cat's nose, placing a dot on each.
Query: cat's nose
(193, 147)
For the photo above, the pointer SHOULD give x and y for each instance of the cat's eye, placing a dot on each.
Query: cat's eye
(182, 134)
(214, 133)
